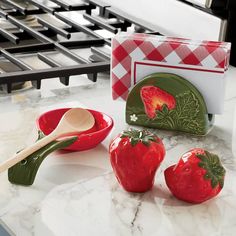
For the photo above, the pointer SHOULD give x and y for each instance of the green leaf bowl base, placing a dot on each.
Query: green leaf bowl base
(24, 172)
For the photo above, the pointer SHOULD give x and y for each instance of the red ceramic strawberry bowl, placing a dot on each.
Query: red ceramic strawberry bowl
(88, 139)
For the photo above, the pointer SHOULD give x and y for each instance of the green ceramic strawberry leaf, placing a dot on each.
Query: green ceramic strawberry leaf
(187, 106)
(164, 118)
(185, 116)
(187, 112)
(136, 136)
(24, 172)
(215, 172)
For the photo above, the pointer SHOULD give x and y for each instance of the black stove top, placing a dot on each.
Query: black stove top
(41, 39)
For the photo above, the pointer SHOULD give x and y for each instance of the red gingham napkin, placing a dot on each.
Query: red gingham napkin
(126, 48)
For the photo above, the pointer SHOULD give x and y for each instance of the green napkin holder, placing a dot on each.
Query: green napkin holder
(170, 102)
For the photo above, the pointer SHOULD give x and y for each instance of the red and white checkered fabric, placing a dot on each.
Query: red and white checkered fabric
(126, 48)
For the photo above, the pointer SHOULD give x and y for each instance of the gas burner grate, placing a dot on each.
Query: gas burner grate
(46, 39)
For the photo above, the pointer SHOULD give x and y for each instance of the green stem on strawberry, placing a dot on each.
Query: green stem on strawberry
(214, 170)
(136, 136)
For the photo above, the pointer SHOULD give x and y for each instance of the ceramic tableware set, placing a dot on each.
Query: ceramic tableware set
(167, 83)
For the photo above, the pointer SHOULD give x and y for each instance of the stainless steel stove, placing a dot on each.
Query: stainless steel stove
(42, 39)
(45, 39)
(195, 19)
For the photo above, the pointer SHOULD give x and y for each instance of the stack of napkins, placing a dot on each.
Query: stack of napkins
(203, 63)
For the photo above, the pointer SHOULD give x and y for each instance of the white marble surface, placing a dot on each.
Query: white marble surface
(76, 193)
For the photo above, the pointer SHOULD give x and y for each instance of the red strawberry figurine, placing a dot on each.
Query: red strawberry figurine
(154, 98)
(135, 156)
(197, 177)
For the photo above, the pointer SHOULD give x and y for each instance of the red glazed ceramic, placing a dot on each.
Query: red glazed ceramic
(48, 121)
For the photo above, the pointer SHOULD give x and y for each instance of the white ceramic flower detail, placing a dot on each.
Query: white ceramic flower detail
(133, 118)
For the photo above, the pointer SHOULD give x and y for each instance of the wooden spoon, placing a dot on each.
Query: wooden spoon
(72, 122)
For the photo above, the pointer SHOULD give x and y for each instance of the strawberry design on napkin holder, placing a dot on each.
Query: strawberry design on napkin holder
(170, 102)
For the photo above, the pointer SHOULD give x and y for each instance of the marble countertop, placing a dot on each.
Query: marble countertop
(77, 194)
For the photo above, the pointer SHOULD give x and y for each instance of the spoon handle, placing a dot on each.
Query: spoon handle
(27, 151)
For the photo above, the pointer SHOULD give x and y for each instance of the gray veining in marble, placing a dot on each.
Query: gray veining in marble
(74, 195)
